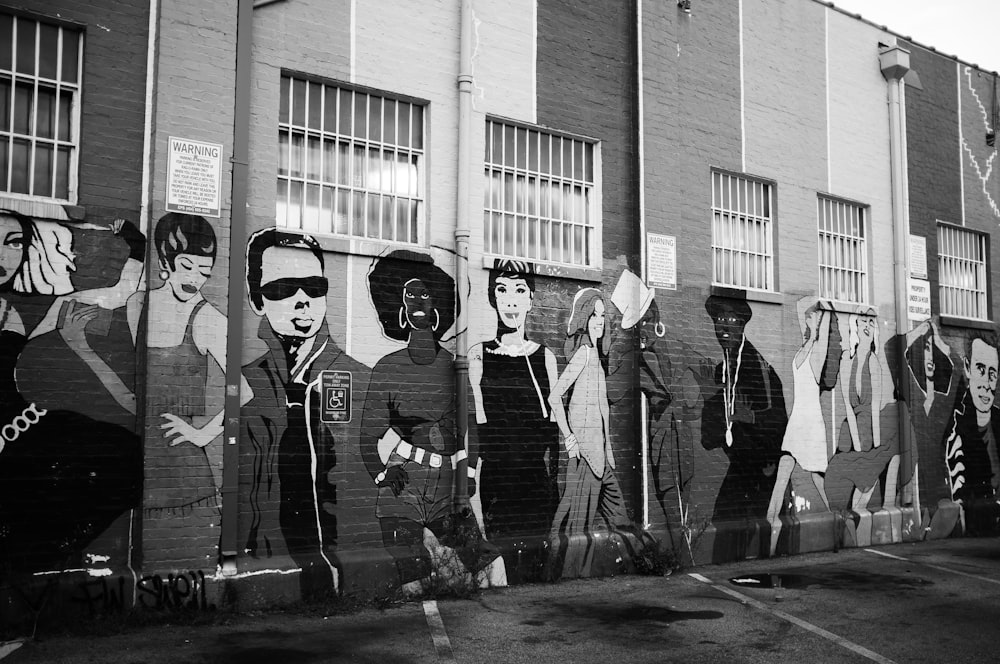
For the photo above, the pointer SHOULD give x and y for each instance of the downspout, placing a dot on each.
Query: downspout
(234, 310)
(895, 62)
(462, 250)
(642, 427)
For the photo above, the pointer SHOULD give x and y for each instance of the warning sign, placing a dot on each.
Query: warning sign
(661, 261)
(335, 390)
(194, 177)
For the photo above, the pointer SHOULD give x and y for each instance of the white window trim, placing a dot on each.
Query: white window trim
(349, 242)
(983, 240)
(772, 240)
(47, 206)
(595, 206)
(865, 238)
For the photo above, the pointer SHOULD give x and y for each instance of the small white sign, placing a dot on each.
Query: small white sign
(918, 256)
(661, 261)
(194, 177)
(918, 301)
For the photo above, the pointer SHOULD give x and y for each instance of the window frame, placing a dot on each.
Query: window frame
(40, 204)
(983, 240)
(771, 239)
(594, 206)
(864, 211)
(334, 87)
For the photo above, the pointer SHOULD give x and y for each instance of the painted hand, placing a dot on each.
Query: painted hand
(184, 431)
(572, 446)
(396, 478)
(74, 326)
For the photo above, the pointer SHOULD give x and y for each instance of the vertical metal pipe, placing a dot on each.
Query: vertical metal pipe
(462, 208)
(234, 310)
(895, 62)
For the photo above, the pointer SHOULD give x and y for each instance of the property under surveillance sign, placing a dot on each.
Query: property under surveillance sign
(194, 177)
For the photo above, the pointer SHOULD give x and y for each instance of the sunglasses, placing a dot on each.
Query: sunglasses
(282, 289)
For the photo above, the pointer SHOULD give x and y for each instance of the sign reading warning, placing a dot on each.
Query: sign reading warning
(661, 261)
(194, 177)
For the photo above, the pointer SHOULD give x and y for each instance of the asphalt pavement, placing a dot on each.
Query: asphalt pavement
(927, 602)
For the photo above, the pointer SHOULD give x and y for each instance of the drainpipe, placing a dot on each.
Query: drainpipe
(462, 249)
(237, 271)
(895, 62)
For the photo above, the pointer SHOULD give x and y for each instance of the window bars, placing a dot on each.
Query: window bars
(962, 272)
(540, 195)
(40, 70)
(350, 162)
(742, 232)
(843, 250)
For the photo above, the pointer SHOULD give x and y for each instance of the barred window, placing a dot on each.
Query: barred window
(350, 162)
(40, 72)
(962, 272)
(843, 250)
(542, 201)
(742, 232)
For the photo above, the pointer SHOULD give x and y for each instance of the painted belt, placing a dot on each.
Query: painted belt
(391, 443)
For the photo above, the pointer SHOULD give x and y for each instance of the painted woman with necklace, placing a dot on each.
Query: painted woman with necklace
(511, 376)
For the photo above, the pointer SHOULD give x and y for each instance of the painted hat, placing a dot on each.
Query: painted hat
(632, 298)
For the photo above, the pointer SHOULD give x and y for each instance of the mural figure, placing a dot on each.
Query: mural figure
(864, 451)
(805, 441)
(292, 499)
(65, 477)
(746, 418)
(592, 499)
(511, 376)
(408, 439)
(673, 395)
(971, 439)
(932, 400)
(185, 248)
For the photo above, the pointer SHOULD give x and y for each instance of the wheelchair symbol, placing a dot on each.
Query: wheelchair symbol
(337, 399)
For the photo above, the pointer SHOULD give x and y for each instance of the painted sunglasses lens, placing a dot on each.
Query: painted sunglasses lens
(282, 289)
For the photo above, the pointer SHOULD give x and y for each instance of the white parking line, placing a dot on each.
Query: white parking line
(436, 625)
(933, 566)
(819, 631)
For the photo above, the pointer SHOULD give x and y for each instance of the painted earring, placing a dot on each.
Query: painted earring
(437, 320)
(660, 329)
(403, 323)
(164, 275)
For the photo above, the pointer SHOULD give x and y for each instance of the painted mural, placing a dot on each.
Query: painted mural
(70, 468)
(408, 431)
(292, 508)
(970, 440)
(511, 379)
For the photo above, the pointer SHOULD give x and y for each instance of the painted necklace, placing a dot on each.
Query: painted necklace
(729, 390)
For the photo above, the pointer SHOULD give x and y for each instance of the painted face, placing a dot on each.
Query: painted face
(418, 304)
(648, 326)
(12, 243)
(513, 301)
(866, 327)
(981, 372)
(929, 358)
(728, 328)
(595, 324)
(294, 292)
(188, 275)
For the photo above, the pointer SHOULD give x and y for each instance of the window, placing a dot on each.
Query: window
(843, 250)
(742, 232)
(541, 202)
(40, 71)
(962, 272)
(350, 162)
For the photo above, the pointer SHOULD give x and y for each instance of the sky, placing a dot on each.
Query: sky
(967, 29)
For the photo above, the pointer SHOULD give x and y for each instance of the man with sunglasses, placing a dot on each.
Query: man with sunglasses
(292, 502)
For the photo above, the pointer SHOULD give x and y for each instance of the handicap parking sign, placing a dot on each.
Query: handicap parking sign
(335, 391)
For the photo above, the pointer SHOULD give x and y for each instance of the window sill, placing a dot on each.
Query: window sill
(967, 323)
(849, 307)
(766, 297)
(591, 274)
(43, 209)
